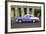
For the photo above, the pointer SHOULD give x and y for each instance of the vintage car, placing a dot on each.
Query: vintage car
(27, 18)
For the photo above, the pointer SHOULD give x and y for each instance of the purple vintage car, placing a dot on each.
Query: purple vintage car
(27, 18)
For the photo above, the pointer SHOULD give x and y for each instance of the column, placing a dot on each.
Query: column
(16, 12)
(27, 10)
(33, 11)
(22, 9)
(12, 13)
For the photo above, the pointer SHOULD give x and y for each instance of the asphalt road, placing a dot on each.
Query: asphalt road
(24, 25)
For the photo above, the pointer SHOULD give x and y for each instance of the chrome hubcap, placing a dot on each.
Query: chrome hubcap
(33, 20)
(19, 20)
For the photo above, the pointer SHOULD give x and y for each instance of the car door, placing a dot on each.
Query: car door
(29, 18)
(25, 18)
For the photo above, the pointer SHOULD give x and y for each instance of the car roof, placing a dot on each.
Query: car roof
(28, 15)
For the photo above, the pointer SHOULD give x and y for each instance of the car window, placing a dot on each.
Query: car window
(30, 16)
(26, 16)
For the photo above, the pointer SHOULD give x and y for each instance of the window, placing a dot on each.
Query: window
(19, 11)
(30, 10)
(37, 11)
(25, 11)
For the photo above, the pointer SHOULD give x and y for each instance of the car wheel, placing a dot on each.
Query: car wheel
(19, 21)
(33, 21)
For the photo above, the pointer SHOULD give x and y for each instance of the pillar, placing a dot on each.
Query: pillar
(12, 13)
(27, 10)
(33, 11)
(22, 10)
(16, 12)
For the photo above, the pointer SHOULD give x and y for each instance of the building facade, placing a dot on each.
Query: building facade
(23, 10)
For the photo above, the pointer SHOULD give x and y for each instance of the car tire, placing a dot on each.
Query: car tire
(33, 21)
(19, 20)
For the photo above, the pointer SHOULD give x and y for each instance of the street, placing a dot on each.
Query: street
(24, 25)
